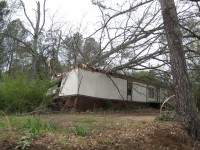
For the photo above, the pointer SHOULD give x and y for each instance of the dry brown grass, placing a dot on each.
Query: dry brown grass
(135, 130)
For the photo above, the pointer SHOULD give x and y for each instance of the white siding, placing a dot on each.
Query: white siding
(69, 84)
(100, 85)
(95, 84)
(139, 92)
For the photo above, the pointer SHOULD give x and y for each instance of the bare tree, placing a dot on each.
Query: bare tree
(186, 111)
(37, 28)
(129, 34)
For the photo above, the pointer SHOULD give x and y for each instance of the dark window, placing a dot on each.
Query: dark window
(151, 92)
(129, 88)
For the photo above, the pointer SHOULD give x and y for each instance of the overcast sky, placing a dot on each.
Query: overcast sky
(72, 11)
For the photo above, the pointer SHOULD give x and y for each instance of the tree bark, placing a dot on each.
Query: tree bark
(34, 58)
(186, 109)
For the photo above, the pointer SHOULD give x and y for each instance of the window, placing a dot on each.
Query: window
(151, 92)
(129, 88)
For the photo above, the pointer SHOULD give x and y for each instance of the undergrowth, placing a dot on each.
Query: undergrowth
(20, 94)
(26, 128)
(163, 117)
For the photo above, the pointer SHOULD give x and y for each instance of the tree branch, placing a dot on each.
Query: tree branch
(29, 20)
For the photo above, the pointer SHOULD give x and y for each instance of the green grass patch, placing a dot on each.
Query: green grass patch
(163, 117)
(138, 124)
(87, 120)
(81, 129)
(31, 125)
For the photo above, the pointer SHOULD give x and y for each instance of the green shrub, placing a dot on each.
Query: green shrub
(21, 94)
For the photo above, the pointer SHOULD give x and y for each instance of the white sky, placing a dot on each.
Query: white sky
(74, 12)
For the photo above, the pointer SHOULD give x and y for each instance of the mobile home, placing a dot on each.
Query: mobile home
(88, 88)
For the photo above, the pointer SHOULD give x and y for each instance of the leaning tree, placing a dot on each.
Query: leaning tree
(186, 109)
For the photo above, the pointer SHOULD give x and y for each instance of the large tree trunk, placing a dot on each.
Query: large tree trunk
(186, 111)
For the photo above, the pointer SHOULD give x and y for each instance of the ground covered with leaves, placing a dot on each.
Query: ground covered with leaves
(134, 130)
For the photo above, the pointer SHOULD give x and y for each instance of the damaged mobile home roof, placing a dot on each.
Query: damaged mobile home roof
(111, 74)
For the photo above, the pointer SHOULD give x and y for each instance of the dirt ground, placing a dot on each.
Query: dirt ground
(133, 130)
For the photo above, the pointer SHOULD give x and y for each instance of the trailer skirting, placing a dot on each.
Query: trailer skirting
(84, 103)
